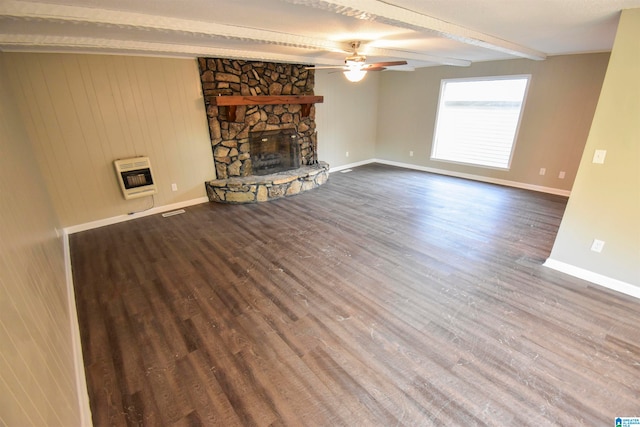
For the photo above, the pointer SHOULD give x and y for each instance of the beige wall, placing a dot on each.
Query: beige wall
(37, 377)
(346, 121)
(82, 112)
(605, 201)
(562, 96)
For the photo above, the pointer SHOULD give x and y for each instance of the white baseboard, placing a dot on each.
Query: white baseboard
(590, 276)
(78, 360)
(351, 165)
(507, 183)
(121, 218)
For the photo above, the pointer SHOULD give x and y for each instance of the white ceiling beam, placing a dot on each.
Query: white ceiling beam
(62, 13)
(18, 42)
(33, 11)
(380, 11)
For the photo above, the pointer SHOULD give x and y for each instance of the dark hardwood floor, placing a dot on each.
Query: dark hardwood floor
(385, 297)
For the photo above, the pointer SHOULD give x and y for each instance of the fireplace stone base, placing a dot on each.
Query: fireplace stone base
(253, 189)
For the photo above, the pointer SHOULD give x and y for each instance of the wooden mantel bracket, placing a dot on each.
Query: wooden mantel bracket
(233, 101)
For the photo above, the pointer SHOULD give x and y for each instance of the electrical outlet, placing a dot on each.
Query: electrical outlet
(599, 155)
(561, 175)
(346, 154)
(543, 171)
(174, 187)
(597, 245)
(410, 153)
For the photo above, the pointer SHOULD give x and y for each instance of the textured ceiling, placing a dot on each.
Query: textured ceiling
(422, 32)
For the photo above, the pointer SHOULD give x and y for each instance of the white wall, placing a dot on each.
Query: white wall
(37, 376)
(82, 112)
(605, 201)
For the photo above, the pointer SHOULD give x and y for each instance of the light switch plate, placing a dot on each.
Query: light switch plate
(597, 245)
(599, 155)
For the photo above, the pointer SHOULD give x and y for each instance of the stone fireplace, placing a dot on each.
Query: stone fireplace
(262, 125)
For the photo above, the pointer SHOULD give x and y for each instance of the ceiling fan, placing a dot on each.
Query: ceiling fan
(355, 66)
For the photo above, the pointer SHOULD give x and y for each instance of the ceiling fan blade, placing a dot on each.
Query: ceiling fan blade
(374, 68)
(387, 64)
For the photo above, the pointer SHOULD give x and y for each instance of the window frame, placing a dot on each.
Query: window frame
(443, 83)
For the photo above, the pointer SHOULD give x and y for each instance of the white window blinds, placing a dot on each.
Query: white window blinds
(478, 120)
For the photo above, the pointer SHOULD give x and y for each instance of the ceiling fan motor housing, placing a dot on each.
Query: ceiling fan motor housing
(355, 60)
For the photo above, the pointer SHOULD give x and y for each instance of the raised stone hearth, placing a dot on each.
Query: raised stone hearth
(262, 188)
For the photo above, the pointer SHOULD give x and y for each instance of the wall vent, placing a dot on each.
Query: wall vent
(135, 177)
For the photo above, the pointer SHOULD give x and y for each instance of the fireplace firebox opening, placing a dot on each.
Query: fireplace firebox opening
(274, 151)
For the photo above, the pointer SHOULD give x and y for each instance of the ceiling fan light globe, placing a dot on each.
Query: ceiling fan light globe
(355, 75)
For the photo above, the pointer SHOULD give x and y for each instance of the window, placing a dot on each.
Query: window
(478, 120)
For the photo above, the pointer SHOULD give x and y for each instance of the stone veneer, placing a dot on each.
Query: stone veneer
(251, 189)
(230, 139)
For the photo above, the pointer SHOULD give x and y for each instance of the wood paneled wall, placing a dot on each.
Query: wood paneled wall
(82, 112)
(347, 119)
(37, 378)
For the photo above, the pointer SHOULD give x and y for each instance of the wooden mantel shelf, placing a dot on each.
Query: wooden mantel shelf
(232, 101)
(224, 101)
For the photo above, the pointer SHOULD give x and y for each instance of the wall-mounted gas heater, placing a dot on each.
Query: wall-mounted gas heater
(135, 177)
